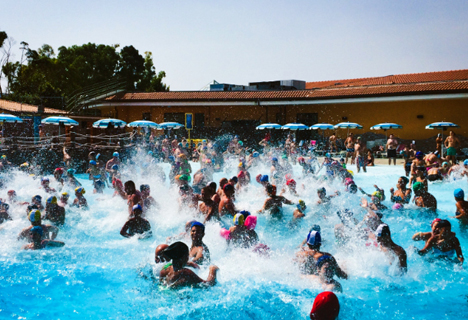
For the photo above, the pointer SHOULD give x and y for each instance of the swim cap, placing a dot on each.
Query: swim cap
(419, 155)
(234, 179)
(238, 219)
(264, 178)
(240, 165)
(71, 171)
(435, 221)
(397, 206)
(328, 155)
(80, 190)
(315, 227)
(444, 163)
(465, 163)
(250, 222)
(115, 167)
(228, 187)
(45, 179)
(92, 162)
(326, 307)
(258, 178)
(37, 198)
(137, 207)
(291, 182)
(38, 230)
(115, 154)
(59, 170)
(177, 250)
(150, 153)
(99, 184)
(52, 200)
(341, 160)
(417, 186)
(24, 165)
(284, 156)
(314, 239)
(405, 179)
(382, 230)
(241, 143)
(207, 161)
(245, 213)
(378, 194)
(321, 190)
(300, 159)
(11, 192)
(184, 177)
(241, 174)
(255, 154)
(35, 216)
(274, 159)
(459, 193)
(301, 205)
(65, 195)
(144, 187)
(197, 224)
(171, 158)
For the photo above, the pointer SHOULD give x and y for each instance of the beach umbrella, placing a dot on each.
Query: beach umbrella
(143, 123)
(170, 125)
(322, 126)
(268, 126)
(104, 123)
(58, 120)
(347, 125)
(4, 117)
(441, 126)
(295, 126)
(386, 126)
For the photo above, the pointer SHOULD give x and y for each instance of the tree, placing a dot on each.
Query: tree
(149, 81)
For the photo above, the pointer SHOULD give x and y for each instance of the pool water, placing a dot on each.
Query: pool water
(101, 275)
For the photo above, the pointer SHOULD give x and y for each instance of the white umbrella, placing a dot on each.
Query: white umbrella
(295, 126)
(386, 126)
(104, 123)
(143, 123)
(268, 126)
(170, 125)
(4, 117)
(441, 125)
(58, 120)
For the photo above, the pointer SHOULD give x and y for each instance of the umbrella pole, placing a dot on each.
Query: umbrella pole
(442, 147)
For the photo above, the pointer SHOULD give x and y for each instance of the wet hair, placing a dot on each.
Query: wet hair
(212, 185)
(130, 184)
(405, 179)
(228, 187)
(176, 251)
(223, 182)
(444, 224)
(144, 187)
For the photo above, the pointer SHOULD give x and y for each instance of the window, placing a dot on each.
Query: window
(146, 116)
(199, 121)
(175, 117)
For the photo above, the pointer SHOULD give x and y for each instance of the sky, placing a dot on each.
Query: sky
(196, 42)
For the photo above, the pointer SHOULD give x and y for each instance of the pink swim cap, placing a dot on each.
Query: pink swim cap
(397, 206)
(226, 234)
(250, 222)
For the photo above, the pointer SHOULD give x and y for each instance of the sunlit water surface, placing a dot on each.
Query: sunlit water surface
(101, 275)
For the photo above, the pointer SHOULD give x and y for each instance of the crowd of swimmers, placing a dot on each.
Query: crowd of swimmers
(186, 252)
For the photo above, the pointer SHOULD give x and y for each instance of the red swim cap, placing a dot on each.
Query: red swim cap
(258, 178)
(291, 182)
(241, 174)
(326, 307)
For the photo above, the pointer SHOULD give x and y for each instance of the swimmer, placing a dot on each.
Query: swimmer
(443, 242)
(45, 185)
(387, 245)
(291, 184)
(99, 186)
(148, 200)
(326, 307)
(376, 197)
(208, 208)
(422, 198)
(4, 216)
(226, 205)
(274, 204)
(299, 211)
(38, 243)
(49, 231)
(462, 206)
(323, 198)
(240, 235)
(80, 200)
(311, 258)
(222, 183)
(58, 173)
(175, 274)
(71, 179)
(424, 236)
(36, 204)
(136, 225)
(434, 174)
(94, 172)
(131, 194)
(64, 199)
(403, 194)
(54, 212)
(114, 161)
(187, 198)
(408, 156)
(199, 252)
(349, 143)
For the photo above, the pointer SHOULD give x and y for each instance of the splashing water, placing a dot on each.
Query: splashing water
(100, 275)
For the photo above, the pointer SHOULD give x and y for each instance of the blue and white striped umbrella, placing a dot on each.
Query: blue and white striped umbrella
(386, 126)
(268, 126)
(104, 123)
(295, 126)
(322, 126)
(441, 125)
(4, 117)
(170, 125)
(143, 123)
(60, 120)
(348, 125)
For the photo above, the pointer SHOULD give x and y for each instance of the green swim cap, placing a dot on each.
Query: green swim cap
(418, 186)
(184, 177)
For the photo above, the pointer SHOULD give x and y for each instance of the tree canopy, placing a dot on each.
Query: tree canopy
(47, 74)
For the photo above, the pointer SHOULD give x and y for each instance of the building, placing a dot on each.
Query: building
(412, 100)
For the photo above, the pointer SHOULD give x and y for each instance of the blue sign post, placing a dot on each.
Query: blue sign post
(189, 124)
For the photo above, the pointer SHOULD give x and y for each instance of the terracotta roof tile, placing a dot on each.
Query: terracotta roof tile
(12, 106)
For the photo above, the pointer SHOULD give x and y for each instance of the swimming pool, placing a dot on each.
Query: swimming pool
(101, 275)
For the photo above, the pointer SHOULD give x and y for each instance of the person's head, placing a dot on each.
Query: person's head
(45, 182)
(99, 186)
(197, 231)
(418, 188)
(301, 205)
(445, 165)
(419, 155)
(64, 197)
(70, 172)
(264, 179)
(238, 220)
(452, 133)
(212, 186)
(79, 192)
(465, 163)
(115, 155)
(37, 199)
(145, 189)
(376, 197)
(58, 173)
(250, 222)
(11, 195)
(206, 193)
(223, 182)
(434, 224)
(382, 234)
(36, 235)
(274, 161)
(443, 228)
(234, 180)
(129, 187)
(178, 252)
(459, 194)
(51, 202)
(291, 183)
(137, 210)
(321, 192)
(271, 190)
(402, 181)
(314, 240)
(35, 217)
(92, 163)
(228, 189)
(326, 307)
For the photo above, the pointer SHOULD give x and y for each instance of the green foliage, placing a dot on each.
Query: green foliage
(78, 67)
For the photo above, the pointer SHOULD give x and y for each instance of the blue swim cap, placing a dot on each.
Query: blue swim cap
(92, 162)
(314, 238)
(459, 193)
(264, 178)
(274, 159)
(37, 229)
(255, 154)
(137, 207)
(98, 155)
(465, 163)
(171, 158)
(71, 171)
(115, 167)
(245, 214)
(38, 198)
(115, 154)
(328, 155)
(150, 153)
(197, 224)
